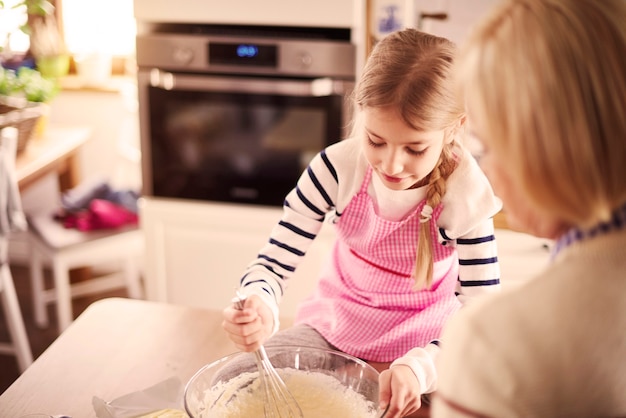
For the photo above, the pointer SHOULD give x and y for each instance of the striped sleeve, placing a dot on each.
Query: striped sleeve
(479, 269)
(304, 211)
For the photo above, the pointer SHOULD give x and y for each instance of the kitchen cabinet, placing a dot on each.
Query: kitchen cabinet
(196, 252)
(320, 13)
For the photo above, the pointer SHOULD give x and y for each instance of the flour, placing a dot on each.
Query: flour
(318, 394)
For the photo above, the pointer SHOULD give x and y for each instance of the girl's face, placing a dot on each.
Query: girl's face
(401, 156)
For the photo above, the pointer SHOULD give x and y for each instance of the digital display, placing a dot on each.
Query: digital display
(249, 51)
(242, 54)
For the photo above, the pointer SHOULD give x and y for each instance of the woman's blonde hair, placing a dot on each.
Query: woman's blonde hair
(411, 72)
(546, 81)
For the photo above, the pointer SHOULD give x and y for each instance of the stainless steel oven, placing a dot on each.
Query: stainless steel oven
(234, 114)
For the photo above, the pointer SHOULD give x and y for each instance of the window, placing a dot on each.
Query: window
(13, 40)
(92, 29)
(99, 26)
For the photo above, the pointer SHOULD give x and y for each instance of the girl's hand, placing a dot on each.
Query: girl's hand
(250, 327)
(400, 390)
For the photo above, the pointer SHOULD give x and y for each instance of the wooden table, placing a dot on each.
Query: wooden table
(56, 151)
(115, 347)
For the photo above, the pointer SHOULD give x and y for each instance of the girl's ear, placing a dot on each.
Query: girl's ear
(456, 129)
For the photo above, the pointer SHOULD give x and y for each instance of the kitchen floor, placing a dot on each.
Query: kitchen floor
(520, 255)
(39, 339)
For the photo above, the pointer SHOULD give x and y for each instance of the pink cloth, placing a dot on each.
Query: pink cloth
(364, 303)
(101, 214)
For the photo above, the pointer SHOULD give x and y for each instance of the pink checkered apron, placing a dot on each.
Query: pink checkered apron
(364, 303)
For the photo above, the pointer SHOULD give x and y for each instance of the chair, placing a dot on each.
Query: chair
(66, 249)
(11, 218)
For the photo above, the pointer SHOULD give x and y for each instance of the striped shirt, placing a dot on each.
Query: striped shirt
(342, 310)
(328, 185)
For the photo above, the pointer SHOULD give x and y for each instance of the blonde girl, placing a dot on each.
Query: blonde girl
(412, 214)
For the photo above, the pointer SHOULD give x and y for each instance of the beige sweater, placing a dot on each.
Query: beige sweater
(556, 347)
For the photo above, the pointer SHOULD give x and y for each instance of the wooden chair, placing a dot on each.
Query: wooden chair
(11, 217)
(66, 249)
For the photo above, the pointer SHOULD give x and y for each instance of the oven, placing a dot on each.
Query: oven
(234, 114)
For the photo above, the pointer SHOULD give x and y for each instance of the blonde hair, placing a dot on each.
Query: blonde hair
(411, 72)
(546, 79)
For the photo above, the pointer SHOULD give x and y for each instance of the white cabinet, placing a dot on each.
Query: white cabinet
(196, 251)
(320, 13)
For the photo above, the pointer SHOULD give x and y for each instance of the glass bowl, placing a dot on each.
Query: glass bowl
(324, 383)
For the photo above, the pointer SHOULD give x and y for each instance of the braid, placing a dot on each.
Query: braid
(424, 258)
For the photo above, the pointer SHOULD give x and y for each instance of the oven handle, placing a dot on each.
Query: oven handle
(318, 87)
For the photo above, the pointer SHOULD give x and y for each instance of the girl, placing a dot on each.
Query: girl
(412, 212)
(551, 117)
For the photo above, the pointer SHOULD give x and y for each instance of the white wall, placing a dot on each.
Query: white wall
(113, 118)
(462, 15)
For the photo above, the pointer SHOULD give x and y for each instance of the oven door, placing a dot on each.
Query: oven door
(234, 139)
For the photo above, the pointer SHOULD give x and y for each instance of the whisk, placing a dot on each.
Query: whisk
(279, 402)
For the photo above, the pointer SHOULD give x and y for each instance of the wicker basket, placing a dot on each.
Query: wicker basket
(21, 114)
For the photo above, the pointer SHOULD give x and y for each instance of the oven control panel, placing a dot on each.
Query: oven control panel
(211, 54)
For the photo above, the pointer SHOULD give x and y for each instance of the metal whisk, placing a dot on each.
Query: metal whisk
(279, 402)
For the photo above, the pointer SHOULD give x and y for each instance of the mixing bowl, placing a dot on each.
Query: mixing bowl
(332, 382)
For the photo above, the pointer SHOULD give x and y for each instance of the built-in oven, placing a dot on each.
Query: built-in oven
(234, 114)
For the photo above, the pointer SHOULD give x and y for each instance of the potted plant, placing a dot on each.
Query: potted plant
(24, 101)
(47, 46)
(29, 84)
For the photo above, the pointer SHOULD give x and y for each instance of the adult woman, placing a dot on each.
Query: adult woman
(545, 82)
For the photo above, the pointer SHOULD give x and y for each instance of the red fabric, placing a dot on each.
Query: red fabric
(101, 214)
